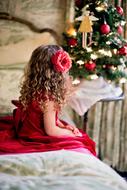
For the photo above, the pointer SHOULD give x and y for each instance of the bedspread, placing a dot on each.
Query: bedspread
(57, 170)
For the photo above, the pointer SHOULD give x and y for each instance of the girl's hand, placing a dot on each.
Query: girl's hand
(75, 130)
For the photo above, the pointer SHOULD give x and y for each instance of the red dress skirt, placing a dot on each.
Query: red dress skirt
(23, 132)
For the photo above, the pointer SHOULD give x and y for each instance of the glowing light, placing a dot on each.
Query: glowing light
(113, 68)
(89, 49)
(80, 62)
(94, 56)
(106, 53)
(108, 42)
(76, 81)
(123, 23)
(71, 31)
(99, 9)
(123, 80)
(115, 51)
(93, 77)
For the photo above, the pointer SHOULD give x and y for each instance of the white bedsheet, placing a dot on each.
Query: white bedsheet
(57, 170)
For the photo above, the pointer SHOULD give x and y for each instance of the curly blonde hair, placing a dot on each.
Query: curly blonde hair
(40, 77)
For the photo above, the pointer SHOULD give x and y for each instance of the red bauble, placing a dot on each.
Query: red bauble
(105, 28)
(123, 50)
(72, 42)
(119, 10)
(90, 66)
(120, 29)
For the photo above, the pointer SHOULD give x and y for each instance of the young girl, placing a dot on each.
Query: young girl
(35, 126)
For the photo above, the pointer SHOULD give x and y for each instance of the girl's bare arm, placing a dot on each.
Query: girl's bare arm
(50, 122)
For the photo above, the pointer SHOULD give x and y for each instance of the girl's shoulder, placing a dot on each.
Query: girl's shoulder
(47, 102)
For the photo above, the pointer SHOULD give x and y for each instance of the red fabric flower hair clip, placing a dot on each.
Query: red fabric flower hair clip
(61, 61)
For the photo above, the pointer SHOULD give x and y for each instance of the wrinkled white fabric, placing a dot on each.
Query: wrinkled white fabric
(57, 170)
(89, 92)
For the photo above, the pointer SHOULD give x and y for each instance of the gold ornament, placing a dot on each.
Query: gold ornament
(85, 27)
(101, 7)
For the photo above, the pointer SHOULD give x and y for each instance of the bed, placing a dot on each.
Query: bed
(57, 170)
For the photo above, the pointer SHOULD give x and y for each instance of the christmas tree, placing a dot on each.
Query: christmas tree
(95, 41)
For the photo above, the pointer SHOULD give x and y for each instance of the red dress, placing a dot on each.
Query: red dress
(23, 132)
